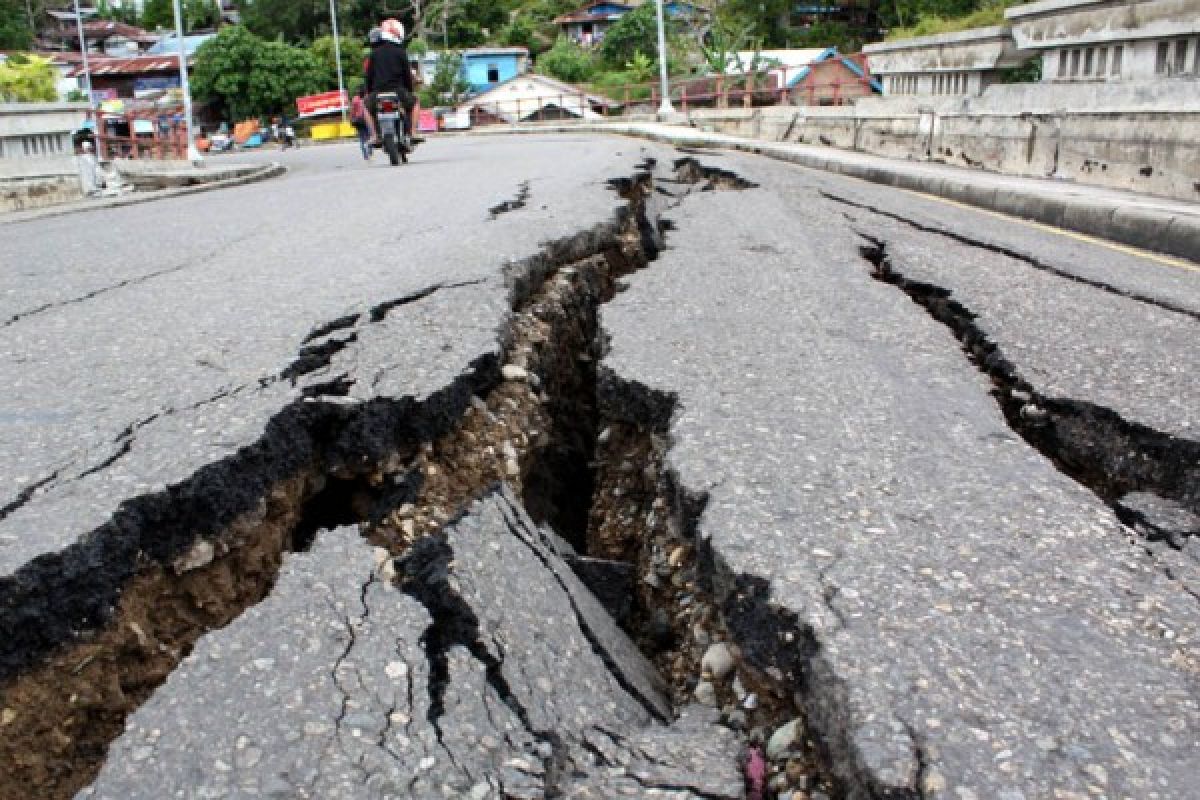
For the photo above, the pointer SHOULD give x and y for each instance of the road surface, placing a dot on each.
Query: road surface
(905, 492)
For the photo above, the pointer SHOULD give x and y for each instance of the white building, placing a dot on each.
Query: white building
(533, 97)
(961, 63)
(1110, 40)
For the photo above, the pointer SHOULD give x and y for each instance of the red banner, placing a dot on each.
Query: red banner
(321, 103)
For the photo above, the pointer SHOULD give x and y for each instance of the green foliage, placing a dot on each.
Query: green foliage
(1029, 72)
(28, 79)
(447, 86)
(635, 32)
(353, 53)
(620, 84)
(197, 14)
(641, 68)
(296, 21)
(766, 20)
(905, 19)
(249, 77)
(727, 38)
(14, 26)
(474, 22)
(127, 13)
(158, 14)
(520, 32)
(281, 74)
(828, 33)
(567, 61)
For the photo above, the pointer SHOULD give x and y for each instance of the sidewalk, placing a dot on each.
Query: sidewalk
(174, 182)
(1152, 223)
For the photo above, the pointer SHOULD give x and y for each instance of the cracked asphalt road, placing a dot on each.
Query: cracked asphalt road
(985, 625)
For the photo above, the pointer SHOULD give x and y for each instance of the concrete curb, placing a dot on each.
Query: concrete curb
(1157, 230)
(262, 173)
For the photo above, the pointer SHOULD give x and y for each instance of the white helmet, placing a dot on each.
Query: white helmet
(392, 30)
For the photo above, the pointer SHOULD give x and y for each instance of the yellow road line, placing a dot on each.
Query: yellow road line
(1136, 252)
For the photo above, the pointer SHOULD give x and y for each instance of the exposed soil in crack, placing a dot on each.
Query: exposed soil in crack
(65, 711)
(81, 647)
(1095, 446)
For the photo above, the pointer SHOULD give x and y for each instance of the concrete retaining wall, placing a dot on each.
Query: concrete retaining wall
(1141, 138)
(23, 195)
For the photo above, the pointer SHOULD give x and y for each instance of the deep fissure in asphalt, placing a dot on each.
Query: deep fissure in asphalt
(583, 449)
(1095, 446)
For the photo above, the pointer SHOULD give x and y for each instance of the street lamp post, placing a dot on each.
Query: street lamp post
(87, 72)
(666, 107)
(192, 153)
(337, 57)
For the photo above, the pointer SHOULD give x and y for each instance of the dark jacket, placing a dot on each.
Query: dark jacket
(388, 69)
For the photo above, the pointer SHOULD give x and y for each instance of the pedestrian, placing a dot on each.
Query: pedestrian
(358, 117)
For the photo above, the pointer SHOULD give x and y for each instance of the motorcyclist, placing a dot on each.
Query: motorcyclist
(388, 70)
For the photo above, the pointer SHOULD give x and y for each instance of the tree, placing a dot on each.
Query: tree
(197, 14)
(120, 12)
(292, 21)
(767, 20)
(27, 79)
(447, 86)
(158, 14)
(567, 61)
(473, 22)
(15, 33)
(635, 32)
(281, 74)
(249, 77)
(353, 53)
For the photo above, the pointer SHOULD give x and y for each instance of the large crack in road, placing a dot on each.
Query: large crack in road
(1143, 474)
(540, 615)
(96, 631)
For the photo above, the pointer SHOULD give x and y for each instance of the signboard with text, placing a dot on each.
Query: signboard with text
(327, 103)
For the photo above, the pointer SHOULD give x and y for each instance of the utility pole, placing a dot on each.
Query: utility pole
(83, 52)
(666, 107)
(193, 153)
(337, 57)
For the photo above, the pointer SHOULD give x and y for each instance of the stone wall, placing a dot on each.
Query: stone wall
(1144, 138)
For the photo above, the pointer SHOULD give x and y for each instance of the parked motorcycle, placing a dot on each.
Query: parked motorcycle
(391, 116)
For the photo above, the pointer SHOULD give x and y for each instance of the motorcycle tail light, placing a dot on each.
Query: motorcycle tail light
(388, 106)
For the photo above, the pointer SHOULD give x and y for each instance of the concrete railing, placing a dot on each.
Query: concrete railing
(1143, 138)
(35, 139)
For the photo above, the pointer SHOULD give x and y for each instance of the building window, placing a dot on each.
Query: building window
(1118, 51)
(1075, 56)
(1181, 54)
(1163, 60)
(493, 73)
(1102, 62)
(1089, 58)
(1062, 63)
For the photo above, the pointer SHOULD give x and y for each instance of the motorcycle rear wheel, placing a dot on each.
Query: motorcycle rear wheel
(392, 147)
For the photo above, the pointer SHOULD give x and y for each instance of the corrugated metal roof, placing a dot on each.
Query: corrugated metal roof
(139, 65)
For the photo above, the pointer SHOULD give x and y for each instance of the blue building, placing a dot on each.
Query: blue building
(487, 67)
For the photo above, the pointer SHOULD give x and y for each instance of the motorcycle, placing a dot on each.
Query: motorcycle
(391, 116)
